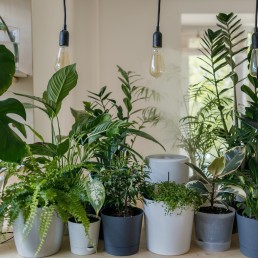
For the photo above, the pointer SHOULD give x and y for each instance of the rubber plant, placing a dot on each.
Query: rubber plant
(211, 185)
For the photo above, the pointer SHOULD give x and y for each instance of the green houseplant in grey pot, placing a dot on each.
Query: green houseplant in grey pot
(122, 220)
(214, 223)
(168, 215)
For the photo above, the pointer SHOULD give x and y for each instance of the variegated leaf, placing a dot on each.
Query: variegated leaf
(217, 166)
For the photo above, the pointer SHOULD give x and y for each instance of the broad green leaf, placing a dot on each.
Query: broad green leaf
(43, 149)
(61, 83)
(12, 147)
(217, 166)
(144, 135)
(96, 194)
(7, 69)
(198, 170)
(234, 158)
(233, 189)
(63, 147)
(249, 92)
(198, 186)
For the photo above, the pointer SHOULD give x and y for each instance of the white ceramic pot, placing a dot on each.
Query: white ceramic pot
(27, 245)
(167, 234)
(80, 243)
(164, 167)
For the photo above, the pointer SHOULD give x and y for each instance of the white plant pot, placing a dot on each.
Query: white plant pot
(164, 167)
(167, 234)
(80, 243)
(27, 245)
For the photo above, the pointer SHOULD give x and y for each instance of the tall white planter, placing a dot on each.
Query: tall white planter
(27, 245)
(80, 243)
(167, 234)
(168, 166)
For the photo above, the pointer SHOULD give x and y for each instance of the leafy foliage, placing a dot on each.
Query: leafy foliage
(211, 184)
(118, 125)
(124, 183)
(215, 124)
(174, 196)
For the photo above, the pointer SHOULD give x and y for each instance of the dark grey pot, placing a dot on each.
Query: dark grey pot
(122, 234)
(248, 235)
(213, 231)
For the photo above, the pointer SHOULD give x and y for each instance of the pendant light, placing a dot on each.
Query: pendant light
(62, 59)
(254, 55)
(157, 66)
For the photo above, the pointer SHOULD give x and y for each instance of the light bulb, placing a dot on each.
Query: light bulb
(253, 63)
(157, 66)
(62, 59)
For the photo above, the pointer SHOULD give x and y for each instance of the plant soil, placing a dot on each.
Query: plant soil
(91, 219)
(214, 210)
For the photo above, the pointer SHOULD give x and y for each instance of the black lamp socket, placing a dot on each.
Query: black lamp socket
(64, 38)
(157, 39)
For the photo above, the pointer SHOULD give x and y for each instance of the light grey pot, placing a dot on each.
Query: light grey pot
(27, 245)
(213, 231)
(248, 235)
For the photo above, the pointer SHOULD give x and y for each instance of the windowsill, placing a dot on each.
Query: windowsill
(8, 250)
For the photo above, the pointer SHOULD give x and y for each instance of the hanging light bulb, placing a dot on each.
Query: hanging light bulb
(157, 66)
(254, 55)
(62, 59)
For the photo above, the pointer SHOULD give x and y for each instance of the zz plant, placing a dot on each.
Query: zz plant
(215, 124)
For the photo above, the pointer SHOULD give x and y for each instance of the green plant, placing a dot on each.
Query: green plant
(173, 195)
(215, 121)
(12, 147)
(52, 176)
(211, 185)
(53, 189)
(118, 125)
(124, 183)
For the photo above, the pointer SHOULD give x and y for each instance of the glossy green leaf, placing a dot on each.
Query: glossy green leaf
(217, 166)
(198, 186)
(12, 147)
(234, 158)
(61, 83)
(198, 170)
(96, 194)
(7, 69)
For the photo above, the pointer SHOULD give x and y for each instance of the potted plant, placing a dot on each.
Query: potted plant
(214, 223)
(42, 182)
(122, 220)
(169, 212)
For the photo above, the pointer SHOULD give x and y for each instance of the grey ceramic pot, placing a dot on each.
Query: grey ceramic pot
(122, 234)
(248, 235)
(213, 231)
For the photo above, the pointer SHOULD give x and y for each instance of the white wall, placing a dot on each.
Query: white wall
(106, 33)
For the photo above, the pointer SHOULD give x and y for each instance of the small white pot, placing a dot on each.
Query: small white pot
(27, 245)
(168, 167)
(80, 243)
(167, 234)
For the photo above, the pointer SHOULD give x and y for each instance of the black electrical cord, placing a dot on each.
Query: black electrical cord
(159, 15)
(64, 34)
(157, 35)
(8, 238)
(64, 2)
